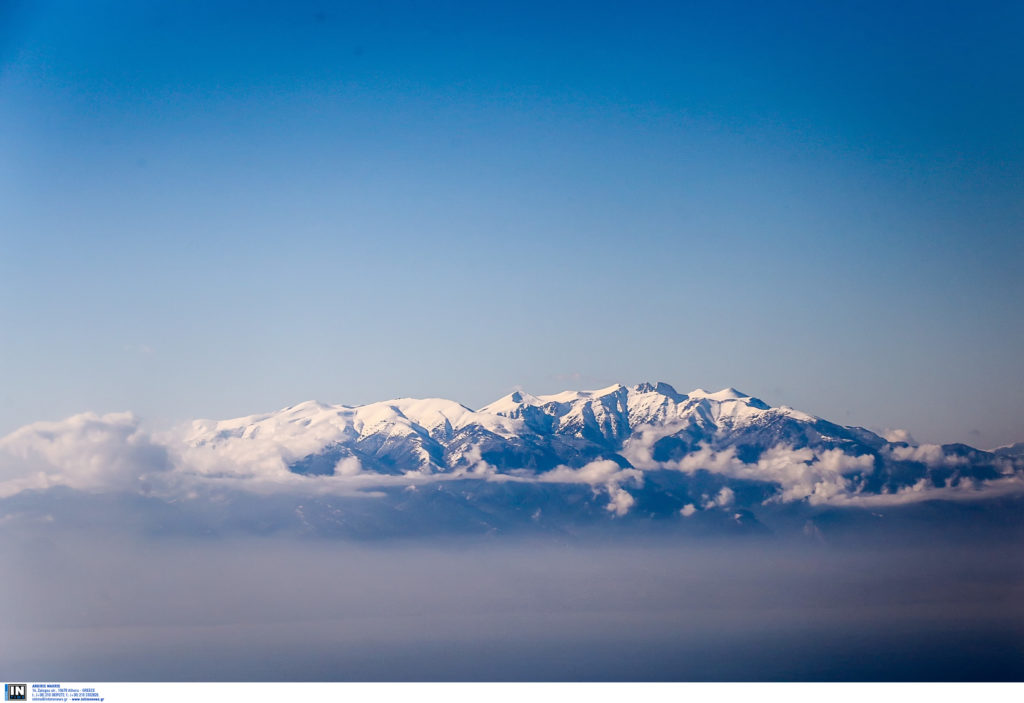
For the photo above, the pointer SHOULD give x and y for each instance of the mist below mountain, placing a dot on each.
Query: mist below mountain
(82, 608)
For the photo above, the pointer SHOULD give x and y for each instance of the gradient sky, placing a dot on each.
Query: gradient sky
(215, 209)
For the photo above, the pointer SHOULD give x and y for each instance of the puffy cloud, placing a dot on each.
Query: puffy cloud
(87, 452)
(897, 435)
(803, 474)
(620, 502)
(348, 466)
(688, 510)
(605, 473)
(838, 461)
(639, 448)
(232, 456)
(594, 473)
(723, 462)
(723, 499)
(930, 454)
(800, 473)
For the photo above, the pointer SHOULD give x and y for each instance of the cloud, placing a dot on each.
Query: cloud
(964, 490)
(897, 435)
(604, 473)
(723, 462)
(800, 473)
(87, 452)
(723, 499)
(688, 510)
(474, 466)
(348, 466)
(639, 448)
(930, 454)
(621, 501)
(596, 472)
(803, 474)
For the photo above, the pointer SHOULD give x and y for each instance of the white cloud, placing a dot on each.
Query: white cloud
(348, 466)
(800, 473)
(476, 467)
(621, 501)
(594, 473)
(603, 472)
(929, 454)
(897, 435)
(965, 490)
(688, 510)
(724, 462)
(725, 497)
(87, 452)
(639, 448)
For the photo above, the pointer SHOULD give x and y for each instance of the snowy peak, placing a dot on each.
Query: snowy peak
(431, 413)
(511, 405)
(724, 394)
(660, 388)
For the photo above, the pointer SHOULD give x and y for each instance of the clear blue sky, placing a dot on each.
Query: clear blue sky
(213, 209)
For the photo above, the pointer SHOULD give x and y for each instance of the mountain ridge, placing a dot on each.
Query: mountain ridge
(645, 427)
(641, 454)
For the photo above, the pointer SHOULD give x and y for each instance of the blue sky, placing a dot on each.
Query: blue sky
(214, 209)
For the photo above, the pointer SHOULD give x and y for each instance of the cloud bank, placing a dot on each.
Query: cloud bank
(87, 452)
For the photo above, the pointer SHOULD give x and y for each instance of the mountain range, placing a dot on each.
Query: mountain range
(618, 454)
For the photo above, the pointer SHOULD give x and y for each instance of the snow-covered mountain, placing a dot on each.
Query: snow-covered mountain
(626, 453)
(522, 431)
(642, 428)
